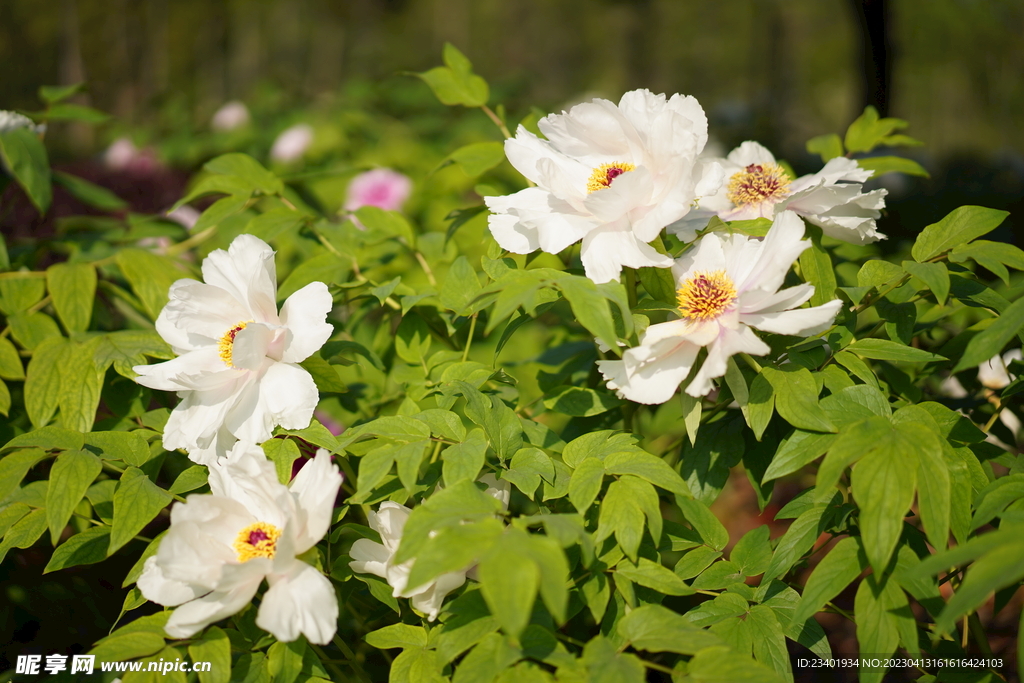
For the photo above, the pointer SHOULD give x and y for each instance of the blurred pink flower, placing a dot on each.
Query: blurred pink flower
(232, 115)
(381, 187)
(333, 426)
(123, 155)
(292, 143)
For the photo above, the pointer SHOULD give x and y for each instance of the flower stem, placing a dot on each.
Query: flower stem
(192, 241)
(750, 361)
(497, 121)
(469, 339)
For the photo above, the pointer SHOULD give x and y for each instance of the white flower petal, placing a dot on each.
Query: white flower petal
(751, 152)
(304, 313)
(203, 309)
(302, 601)
(655, 380)
(729, 343)
(369, 558)
(500, 490)
(429, 601)
(200, 369)
(285, 395)
(236, 590)
(250, 346)
(606, 250)
(389, 521)
(156, 587)
(799, 321)
(248, 477)
(315, 488)
(246, 271)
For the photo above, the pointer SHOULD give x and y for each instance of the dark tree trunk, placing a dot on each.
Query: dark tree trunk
(876, 53)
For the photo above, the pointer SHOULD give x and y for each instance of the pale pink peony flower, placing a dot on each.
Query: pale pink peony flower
(381, 187)
(292, 143)
(232, 115)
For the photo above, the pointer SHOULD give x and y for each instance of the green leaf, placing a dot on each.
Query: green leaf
(836, 571)
(585, 483)
(70, 477)
(389, 223)
(796, 451)
(769, 640)
(653, 575)
(883, 349)
(246, 168)
(580, 401)
(498, 420)
(43, 380)
(692, 407)
(959, 226)
(883, 165)
(877, 625)
(189, 480)
(24, 533)
(460, 287)
(868, 131)
(761, 405)
(13, 468)
(68, 111)
(324, 375)
(809, 633)
(282, 452)
(589, 307)
(324, 267)
(127, 348)
(659, 283)
(24, 155)
(10, 362)
(456, 84)
(798, 539)
(883, 484)
(81, 383)
(5, 399)
(934, 275)
(606, 665)
(213, 647)
(485, 662)
(753, 552)
(32, 329)
(993, 338)
(73, 288)
(796, 398)
(136, 502)
(704, 522)
(648, 467)
(219, 211)
(20, 294)
(476, 158)
(816, 268)
(271, 224)
(723, 665)
(93, 195)
(129, 447)
(509, 585)
(991, 255)
(284, 660)
(52, 94)
(464, 460)
(827, 146)
(621, 515)
(150, 276)
(88, 547)
(128, 646)
(659, 629)
(876, 272)
(412, 340)
(397, 635)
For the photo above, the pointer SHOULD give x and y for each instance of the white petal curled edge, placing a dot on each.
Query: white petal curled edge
(301, 601)
(798, 321)
(304, 313)
(655, 380)
(507, 229)
(729, 343)
(248, 477)
(247, 271)
(315, 487)
(156, 587)
(369, 557)
(286, 396)
(236, 590)
(429, 601)
(606, 250)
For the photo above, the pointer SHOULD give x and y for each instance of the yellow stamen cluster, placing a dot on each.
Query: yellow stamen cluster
(604, 174)
(257, 540)
(757, 183)
(704, 296)
(227, 342)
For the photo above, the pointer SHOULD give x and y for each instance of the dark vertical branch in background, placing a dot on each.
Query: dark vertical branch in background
(876, 53)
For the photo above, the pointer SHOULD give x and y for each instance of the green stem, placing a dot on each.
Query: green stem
(840, 611)
(469, 339)
(750, 361)
(978, 632)
(335, 669)
(192, 241)
(629, 279)
(497, 121)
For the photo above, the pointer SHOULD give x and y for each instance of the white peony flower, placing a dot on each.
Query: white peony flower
(231, 115)
(369, 557)
(292, 143)
(993, 373)
(12, 120)
(220, 547)
(728, 285)
(237, 369)
(758, 187)
(611, 176)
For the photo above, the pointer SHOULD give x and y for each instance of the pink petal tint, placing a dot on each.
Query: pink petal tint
(381, 187)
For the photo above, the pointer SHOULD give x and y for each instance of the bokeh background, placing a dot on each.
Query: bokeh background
(779, 71)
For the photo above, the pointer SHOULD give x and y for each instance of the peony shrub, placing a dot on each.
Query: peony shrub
(485, 447)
